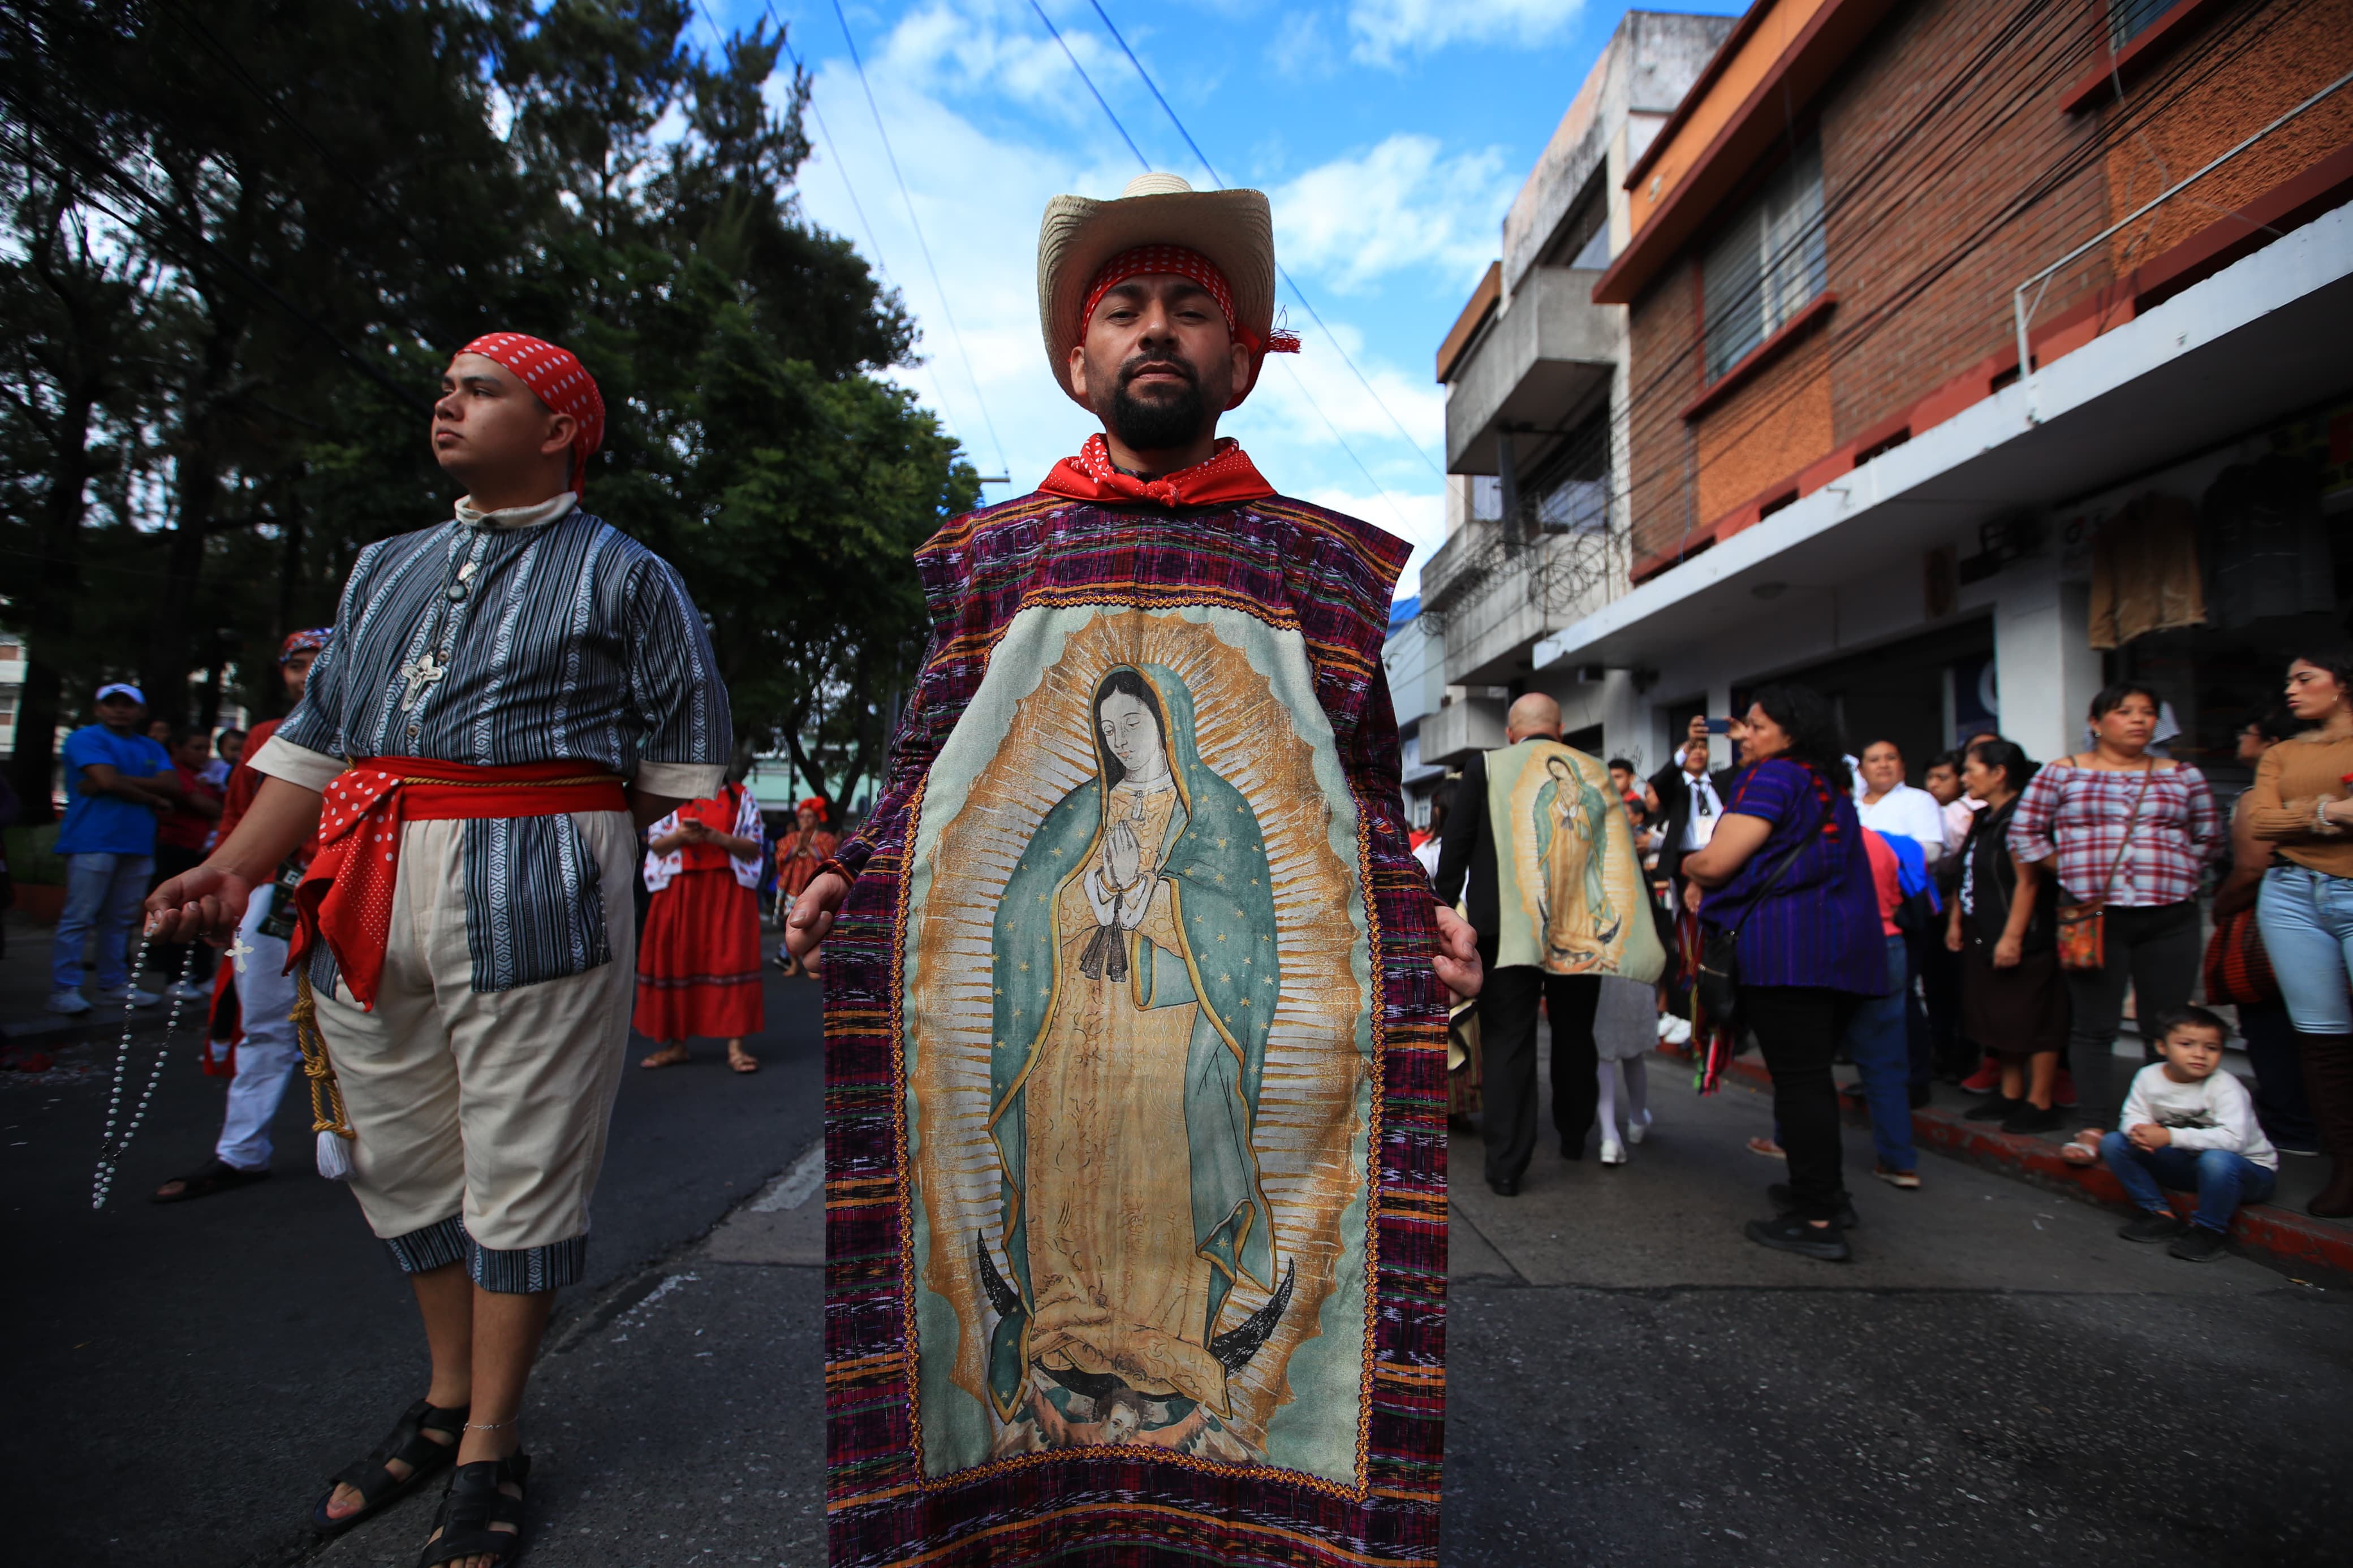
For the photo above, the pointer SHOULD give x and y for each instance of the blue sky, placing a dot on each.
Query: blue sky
(1390, 134)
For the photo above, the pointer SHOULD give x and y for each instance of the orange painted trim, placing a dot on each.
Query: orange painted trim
(1747, 366)
(1696, 94)
(2137, 58)
(1829, 37)
(1484, 300)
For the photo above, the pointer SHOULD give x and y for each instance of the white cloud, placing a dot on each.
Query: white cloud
(1401, 203)
(1384, 29)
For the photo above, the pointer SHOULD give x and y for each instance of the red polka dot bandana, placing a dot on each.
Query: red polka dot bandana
(1179, 261)
(561, 381)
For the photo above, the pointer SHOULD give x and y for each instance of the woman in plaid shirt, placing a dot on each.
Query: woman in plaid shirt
(2134, 831)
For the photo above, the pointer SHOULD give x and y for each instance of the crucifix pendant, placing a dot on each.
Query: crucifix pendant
(420, 673)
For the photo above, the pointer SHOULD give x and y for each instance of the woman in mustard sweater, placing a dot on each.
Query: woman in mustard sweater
(2303, 803)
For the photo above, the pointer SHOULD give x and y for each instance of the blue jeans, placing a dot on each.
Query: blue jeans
(1878, 1039)
(2306, 919)
(102, 891)
(2221, 1179)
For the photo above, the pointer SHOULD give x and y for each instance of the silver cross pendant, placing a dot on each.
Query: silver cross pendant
(420, 673)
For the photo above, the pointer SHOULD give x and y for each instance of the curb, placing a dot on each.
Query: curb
(2265, 1232)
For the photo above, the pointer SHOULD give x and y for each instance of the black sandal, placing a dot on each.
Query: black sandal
(379, 1488)
(471, 1506)
(215, 1175)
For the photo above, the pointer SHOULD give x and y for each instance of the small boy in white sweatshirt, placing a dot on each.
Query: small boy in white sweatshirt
(2187, 1124)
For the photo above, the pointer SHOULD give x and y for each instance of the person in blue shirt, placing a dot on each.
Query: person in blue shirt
(117, 782)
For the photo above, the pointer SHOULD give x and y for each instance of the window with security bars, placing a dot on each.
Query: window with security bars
(2128, 19)
(1768, 264)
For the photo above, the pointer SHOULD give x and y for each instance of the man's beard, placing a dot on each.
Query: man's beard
(1161, 424)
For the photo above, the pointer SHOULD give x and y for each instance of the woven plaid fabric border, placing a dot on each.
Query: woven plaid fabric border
(1292, 566)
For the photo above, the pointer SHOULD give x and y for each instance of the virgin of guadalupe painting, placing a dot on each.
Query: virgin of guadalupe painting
(1572, 824)
(1125, 1087)
(1139, 1054)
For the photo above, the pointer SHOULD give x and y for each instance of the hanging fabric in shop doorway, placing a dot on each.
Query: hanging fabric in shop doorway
(2145, 571)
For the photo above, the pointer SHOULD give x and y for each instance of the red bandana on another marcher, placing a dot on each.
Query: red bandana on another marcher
(345, 898)
(561, 381)
(1226, 476)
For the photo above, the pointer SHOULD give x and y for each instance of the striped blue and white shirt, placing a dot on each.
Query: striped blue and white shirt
(527, 636)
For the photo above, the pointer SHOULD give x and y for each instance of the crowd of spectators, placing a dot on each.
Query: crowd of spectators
(1987, 926)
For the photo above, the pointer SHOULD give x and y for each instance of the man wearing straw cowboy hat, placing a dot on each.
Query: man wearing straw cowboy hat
(503, 694)
(1136, 995)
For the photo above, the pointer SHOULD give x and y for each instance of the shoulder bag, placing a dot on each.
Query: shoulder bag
(1717, 987)
(2083, 928)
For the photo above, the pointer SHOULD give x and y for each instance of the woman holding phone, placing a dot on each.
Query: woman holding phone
(1786, 883)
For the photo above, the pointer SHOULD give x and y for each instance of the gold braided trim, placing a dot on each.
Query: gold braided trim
(509, 784)
(327, 1114)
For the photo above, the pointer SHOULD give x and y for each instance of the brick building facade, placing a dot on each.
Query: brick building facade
(1825, 413)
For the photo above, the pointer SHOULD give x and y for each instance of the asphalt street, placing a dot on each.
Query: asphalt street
(1996, 1378)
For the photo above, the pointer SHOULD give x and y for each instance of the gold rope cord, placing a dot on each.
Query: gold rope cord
(505, 783)
(326, 1094)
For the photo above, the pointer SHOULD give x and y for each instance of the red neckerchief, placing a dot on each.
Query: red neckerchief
(1227, 475)
(345, 898)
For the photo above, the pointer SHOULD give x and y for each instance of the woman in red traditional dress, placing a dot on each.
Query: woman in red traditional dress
(799, 855)
(698, 961)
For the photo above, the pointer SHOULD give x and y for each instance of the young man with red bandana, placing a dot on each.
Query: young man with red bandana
(1135, 892)
(507, 699)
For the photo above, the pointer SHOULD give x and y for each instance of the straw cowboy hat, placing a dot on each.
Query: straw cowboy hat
(1235, 229)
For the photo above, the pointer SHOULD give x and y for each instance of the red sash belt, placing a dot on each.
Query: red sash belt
(346, 899)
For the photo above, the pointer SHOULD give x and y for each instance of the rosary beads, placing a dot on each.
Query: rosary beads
(112, 1149)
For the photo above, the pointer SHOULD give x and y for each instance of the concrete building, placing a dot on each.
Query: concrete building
(1537, 391)
(1841, 245)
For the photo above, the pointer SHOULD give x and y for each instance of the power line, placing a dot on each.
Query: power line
(922, 244)
(850, 187)
(1297, 292)
(1090, 86)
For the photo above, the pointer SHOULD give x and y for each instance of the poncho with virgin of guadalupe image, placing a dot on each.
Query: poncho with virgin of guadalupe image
(1135, 1062)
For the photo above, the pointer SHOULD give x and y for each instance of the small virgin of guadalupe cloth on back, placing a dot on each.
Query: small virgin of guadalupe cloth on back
(1135, 1058)
(1569, 890)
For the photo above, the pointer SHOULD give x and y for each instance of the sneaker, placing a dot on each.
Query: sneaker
(181, 991)
(73, 1003)
(1777, 1195)
(2063, 1090)
(2155, 1226)
(122, 994)
(2196, 1244)
(1613, 1152)
(1994, 1110)
(1637, 1131)
(1986, 1079)
(1796, 1236)
(1908, 1180)
(2027, 1118)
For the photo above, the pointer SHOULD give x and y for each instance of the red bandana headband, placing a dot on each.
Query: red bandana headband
(1183, 263)
(561, 381)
